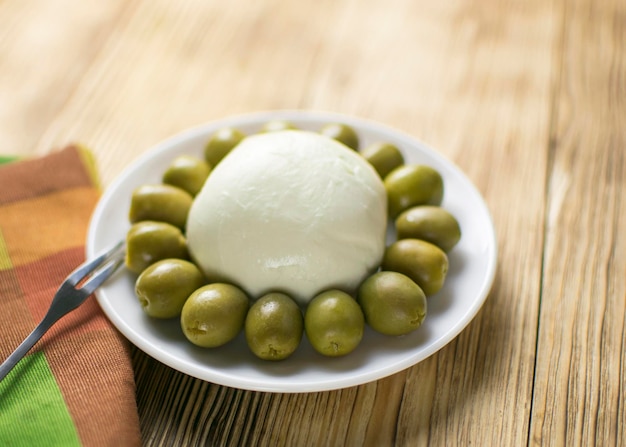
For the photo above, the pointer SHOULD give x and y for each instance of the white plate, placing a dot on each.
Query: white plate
(472, 270)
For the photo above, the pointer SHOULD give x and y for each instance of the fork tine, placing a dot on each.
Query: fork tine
(100, 276)
(79, 274)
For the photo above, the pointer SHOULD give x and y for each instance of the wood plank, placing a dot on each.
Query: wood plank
(492, 115)
(172, 66)
(43, 55)
(581, 374)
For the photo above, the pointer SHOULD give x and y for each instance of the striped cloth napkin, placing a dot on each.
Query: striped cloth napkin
(76, 386)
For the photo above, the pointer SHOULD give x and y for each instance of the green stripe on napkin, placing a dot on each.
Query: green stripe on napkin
(46, 415)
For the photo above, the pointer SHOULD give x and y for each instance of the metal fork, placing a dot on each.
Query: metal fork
(81, 283)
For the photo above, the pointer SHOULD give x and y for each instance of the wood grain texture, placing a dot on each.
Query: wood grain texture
(581, 376)
(527, 97)
(45, 48)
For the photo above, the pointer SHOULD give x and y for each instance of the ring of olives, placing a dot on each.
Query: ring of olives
(392, 301)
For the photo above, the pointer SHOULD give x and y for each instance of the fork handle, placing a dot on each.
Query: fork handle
(27, 344)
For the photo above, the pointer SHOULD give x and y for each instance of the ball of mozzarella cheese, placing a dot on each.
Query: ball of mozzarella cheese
(289, 211)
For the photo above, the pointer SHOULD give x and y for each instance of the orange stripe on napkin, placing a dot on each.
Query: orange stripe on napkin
(110, 375)
(13, 305)
(43, 225)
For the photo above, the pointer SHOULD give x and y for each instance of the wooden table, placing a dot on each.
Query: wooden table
(527, 97)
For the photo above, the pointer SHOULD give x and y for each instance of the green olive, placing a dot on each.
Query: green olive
(274, 327)
(392, 303)
(430, 223)
(214, 314)
(411, 185)
(188, 173)
(334, 323)
(221, 143)
(163, 287)
(384, 157)
(162, 203)
(423, 262)
(342, 133)
(277, 125)
(148, 242)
